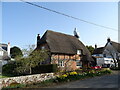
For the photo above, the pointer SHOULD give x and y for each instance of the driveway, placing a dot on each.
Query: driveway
(106, 81)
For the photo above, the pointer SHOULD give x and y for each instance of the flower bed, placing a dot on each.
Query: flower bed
(65, 77)
(76, 76)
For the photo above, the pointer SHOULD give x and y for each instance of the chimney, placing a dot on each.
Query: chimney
(75, 33)
(95, 46)
(38, 40)
(108, 40)
(8, 48)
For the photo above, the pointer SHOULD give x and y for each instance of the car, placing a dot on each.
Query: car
(96, 67)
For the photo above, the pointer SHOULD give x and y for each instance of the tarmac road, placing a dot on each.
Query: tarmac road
(106, 81)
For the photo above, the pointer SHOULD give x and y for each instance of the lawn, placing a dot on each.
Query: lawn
(3, 76)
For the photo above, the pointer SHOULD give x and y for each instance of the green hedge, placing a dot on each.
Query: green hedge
(48, 68)
(9, 69)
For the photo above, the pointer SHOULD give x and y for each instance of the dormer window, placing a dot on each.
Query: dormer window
(79, 52)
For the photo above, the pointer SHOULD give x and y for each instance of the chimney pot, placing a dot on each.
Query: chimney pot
(95, 46)
(108, 40)
(38, 40)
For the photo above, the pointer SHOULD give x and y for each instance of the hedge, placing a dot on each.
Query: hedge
(9, 69)
(47, 68)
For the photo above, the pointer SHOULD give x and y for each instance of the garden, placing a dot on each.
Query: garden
(62, 78)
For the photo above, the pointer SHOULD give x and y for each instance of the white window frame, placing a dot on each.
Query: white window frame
(43, 47)
(80, 63)
(79, 52)
(61, 63)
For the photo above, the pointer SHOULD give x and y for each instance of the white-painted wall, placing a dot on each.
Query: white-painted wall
(100, 61)
(8, 49)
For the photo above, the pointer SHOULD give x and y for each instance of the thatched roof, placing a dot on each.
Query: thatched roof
(116, 45)
(101, 49)
(98, 50)
(60, 43)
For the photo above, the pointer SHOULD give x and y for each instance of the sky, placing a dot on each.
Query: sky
(22, 22)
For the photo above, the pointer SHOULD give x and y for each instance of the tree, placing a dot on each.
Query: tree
(15, 52)
(112, 55)
(27, 51)
(90, 48)
(32, 60)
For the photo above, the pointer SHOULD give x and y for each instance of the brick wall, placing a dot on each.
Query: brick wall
(69, 61)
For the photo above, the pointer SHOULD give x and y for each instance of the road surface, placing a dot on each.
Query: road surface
(106, 81)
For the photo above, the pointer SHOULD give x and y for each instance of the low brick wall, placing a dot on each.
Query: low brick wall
(25, 79)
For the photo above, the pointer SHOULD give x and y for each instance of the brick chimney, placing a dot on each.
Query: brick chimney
(38, 40)
(108, 40)
(95, 46)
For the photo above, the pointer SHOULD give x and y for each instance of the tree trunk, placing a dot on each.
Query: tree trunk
(30, 70)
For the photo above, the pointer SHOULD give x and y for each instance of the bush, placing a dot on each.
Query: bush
(48, 68)
(9, 69)
(115, 68)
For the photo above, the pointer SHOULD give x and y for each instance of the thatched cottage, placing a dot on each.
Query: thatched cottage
(65, 50)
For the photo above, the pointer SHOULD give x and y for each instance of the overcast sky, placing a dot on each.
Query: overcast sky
(22, 22)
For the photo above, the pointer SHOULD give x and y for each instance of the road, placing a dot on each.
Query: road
(106, 81)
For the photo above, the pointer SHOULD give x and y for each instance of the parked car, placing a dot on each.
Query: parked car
(96, 67)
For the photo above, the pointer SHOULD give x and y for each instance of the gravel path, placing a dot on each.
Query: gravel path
(106, 81)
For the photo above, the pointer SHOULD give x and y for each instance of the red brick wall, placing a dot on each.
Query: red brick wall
(69, 61)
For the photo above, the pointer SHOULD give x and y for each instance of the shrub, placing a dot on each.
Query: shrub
(9, 69)
(48, 68)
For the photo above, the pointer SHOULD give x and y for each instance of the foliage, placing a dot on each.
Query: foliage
(115, 68)
(75, 76)
(15, 52)
(22, 66)
(90, 48)
(27, 51)
(1, 76)
(9, 69)
(14, 85)
(62, 78)
(33, 60)
(73, 73)
(47, 68)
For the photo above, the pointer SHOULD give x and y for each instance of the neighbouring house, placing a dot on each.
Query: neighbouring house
(65, 50)
(4, 53)
(109, 55)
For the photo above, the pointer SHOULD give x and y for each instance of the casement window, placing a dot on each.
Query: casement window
(1, 53)
(79, 52)
(61, 63)
(43, 47)
(78, 63)
(104, 55)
